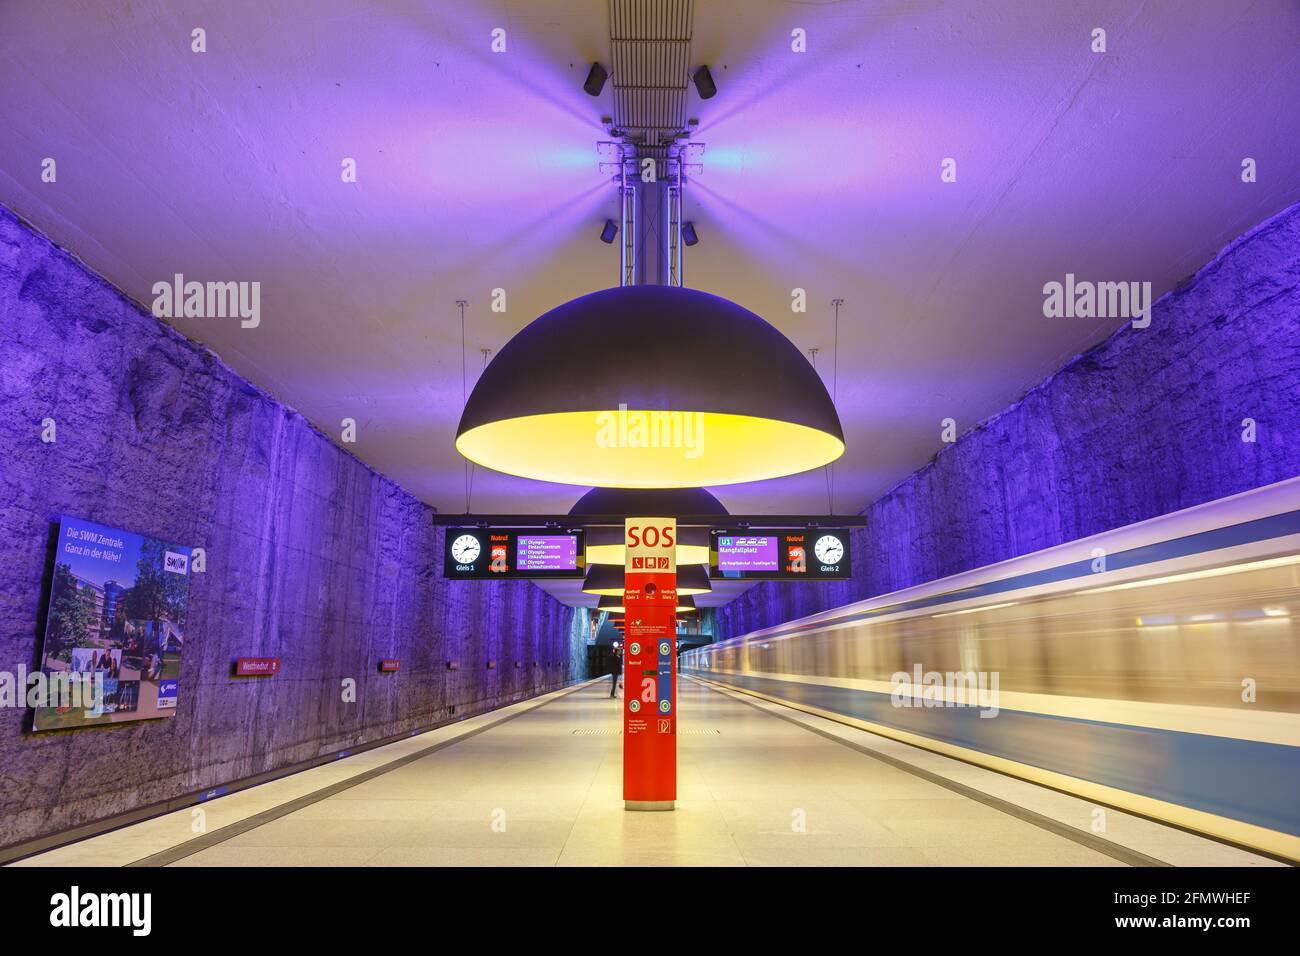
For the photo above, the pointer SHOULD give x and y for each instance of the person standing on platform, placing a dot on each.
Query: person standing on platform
(615, 671)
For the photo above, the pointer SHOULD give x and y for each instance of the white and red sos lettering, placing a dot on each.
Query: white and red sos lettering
(651, 545)
(652, 536)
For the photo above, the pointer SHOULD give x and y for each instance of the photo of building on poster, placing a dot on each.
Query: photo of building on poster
(117, 613)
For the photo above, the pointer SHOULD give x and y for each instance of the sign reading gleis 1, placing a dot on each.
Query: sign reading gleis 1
(650, 664)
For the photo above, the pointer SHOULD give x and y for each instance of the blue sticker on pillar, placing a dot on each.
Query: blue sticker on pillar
(665, 677)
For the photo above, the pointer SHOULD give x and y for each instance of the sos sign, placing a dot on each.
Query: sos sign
(650, 544)
(652, 536)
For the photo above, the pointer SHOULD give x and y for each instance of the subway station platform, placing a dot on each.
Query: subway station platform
(539, 784)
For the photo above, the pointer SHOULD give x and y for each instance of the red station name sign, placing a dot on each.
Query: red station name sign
(257, 666)
(650, 664)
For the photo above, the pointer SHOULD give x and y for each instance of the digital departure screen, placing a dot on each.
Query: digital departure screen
(547, 552)
(495, 553)
(756, 554)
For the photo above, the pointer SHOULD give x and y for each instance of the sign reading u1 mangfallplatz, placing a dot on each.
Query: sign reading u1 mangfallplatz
(802, 554)
(499, 553)
(115, 627)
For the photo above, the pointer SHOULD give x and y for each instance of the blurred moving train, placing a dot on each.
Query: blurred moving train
(1154, 668)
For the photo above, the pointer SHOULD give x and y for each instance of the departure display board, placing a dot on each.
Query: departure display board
(481, 554)
(780, 554)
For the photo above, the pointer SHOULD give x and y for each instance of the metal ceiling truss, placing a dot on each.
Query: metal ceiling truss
(650, 42)
(650, 45)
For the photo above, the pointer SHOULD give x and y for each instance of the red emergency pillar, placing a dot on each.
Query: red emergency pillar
(650, 664)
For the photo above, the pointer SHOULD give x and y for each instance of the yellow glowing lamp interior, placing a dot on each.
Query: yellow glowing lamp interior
(648, 449)
(613, 554)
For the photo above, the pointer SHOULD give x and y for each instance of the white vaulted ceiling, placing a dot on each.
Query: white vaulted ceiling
(479, 171)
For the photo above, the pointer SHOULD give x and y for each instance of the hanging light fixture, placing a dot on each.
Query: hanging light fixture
(614, 605)
(650, 387)
(604, 544)
(607, 579)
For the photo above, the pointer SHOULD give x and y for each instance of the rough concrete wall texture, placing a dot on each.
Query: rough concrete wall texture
(579, 632)
(311, 557)
(1149, 422)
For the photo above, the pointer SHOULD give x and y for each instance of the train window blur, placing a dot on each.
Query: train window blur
(1188, 639)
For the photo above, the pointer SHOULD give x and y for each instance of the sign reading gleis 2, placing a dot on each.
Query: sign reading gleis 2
(650, 663)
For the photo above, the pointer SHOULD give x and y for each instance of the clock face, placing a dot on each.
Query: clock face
(465, 549)
(829, 549)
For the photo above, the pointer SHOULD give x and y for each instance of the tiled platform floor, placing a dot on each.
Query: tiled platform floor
(544, 789)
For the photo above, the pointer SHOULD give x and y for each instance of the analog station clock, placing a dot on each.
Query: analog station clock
(465, 549)
(829, 549)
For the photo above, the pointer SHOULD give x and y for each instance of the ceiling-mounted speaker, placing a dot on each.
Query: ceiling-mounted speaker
(704, 84)
(689, 235)
(596, 78)
(609, 232)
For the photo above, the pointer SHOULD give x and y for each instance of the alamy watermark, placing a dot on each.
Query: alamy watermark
(922, 688)
(1082, 299)
(75, 908)
(61, 689)
(208, 300)
(638, 429)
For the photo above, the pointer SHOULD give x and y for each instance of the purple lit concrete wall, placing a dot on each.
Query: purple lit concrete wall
(311, 557)
(1148, 422)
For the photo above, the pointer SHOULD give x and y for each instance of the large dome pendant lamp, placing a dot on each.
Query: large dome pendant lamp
(650, 386)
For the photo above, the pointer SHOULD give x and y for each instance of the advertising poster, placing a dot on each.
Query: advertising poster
(116, 622)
